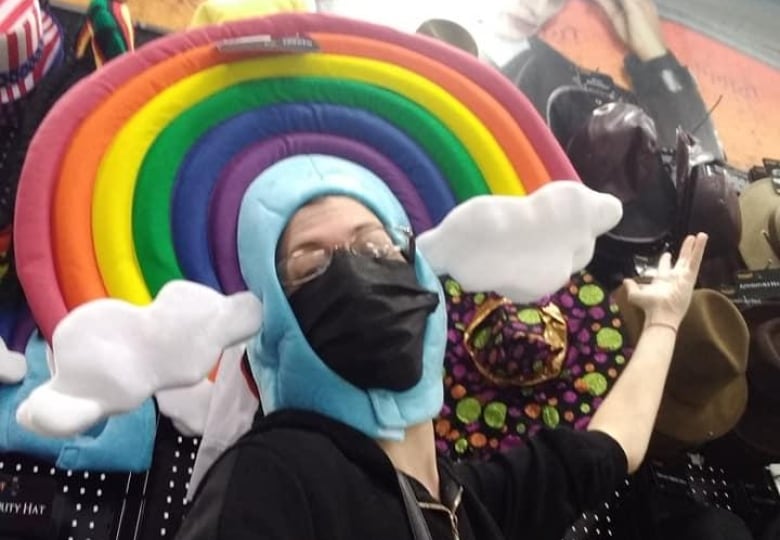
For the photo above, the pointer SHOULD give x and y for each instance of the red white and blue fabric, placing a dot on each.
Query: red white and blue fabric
(30, 44)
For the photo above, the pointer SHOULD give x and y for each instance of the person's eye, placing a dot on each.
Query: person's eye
(304, 266)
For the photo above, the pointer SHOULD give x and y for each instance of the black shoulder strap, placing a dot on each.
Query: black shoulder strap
(416, 519)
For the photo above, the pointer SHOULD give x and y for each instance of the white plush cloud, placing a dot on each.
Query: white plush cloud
(521, 247)
(187, 407)
(13, 366)
(109, 356)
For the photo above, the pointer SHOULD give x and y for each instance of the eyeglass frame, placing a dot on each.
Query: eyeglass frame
(402, 232)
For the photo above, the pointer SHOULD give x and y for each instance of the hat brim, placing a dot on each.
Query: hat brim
(52, 55)
(692, 425)
(756, 203)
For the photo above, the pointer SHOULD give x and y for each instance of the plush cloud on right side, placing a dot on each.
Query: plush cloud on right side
(521, 247)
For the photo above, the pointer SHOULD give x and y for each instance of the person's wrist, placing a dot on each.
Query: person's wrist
(647, 53)
(663, 326)
(664, 320)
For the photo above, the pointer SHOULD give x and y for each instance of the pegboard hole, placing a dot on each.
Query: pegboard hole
(64, 489)
(163, 532)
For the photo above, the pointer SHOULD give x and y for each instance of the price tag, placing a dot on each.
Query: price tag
(269, 44)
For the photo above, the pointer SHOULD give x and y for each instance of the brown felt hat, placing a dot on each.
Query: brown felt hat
(706, 389)
(759, 244)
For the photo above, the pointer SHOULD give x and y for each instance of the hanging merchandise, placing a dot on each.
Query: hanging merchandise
(31, 51)
(616, 151)
(760, 206)
(107, 31)
(707, 202)
(706, 389)
(30, 46)
(220, 11)
(512, 370)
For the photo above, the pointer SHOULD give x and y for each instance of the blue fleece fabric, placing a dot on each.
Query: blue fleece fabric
(288, 372)
(123, 443)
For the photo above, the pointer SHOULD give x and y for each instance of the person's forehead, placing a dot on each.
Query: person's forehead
(327, 219)
(332, 208)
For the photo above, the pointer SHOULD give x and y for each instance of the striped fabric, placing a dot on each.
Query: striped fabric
(30, 41)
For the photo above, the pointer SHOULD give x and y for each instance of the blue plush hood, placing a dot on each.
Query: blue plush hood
(288, 372)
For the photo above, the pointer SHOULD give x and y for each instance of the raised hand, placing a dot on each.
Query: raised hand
(666, 298)
(637, 23)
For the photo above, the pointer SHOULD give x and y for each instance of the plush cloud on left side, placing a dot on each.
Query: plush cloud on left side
(109, 356)
(13, 366)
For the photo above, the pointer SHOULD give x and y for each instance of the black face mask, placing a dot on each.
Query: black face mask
(365, 318)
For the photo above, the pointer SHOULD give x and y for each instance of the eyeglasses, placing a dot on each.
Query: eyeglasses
(374, 242)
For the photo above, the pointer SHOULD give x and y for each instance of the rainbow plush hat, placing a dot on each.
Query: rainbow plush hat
(135, 179)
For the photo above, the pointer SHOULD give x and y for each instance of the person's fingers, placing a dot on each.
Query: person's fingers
(697, 253)
(615, 15)
(665, 264)
(684, 257)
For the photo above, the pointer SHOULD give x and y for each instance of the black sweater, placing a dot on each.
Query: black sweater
(302, 476)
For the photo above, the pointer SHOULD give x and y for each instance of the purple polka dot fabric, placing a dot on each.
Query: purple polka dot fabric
(511, 370)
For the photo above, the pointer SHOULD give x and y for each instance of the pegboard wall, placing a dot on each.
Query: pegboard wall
(112, 506)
